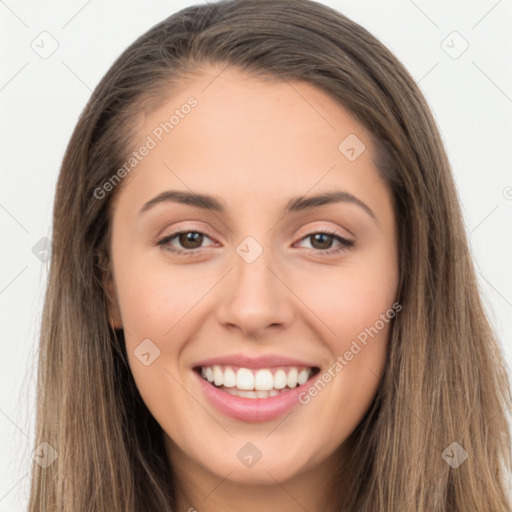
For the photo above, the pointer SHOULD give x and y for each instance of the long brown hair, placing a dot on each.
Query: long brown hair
(445, 380)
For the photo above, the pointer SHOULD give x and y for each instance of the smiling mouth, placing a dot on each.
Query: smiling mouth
(256, 383)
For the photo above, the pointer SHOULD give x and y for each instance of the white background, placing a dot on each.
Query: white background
(40, 100)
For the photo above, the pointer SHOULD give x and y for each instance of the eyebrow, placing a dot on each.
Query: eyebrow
(295, 204)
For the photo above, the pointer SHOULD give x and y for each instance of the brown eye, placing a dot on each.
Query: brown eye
(321, 240)
(184, 242)
(321, 243)
(190, 239)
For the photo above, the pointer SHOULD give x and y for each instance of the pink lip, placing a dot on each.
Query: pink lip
(252, 409)
(244, 361)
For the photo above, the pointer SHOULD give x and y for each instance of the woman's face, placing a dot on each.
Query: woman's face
(268, 287)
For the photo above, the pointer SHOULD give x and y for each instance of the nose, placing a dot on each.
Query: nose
(254, 298)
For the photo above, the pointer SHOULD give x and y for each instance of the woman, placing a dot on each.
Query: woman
(247, 370)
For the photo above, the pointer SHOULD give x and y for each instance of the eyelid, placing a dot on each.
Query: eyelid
(164, 240)
(323, 228)
(304, 232)
(173, 231)
(344, 243)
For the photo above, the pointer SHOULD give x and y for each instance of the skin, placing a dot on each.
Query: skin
(254, 145)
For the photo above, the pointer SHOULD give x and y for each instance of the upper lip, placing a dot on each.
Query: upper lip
(244, 361)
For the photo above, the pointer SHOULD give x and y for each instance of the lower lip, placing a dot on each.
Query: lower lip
(252, 409)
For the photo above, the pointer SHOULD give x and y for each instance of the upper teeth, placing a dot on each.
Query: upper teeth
(259, 380)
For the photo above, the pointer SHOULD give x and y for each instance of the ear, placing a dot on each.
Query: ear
(108, 283)
(114, 312)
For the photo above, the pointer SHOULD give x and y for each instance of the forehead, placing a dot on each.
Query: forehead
(249, 138)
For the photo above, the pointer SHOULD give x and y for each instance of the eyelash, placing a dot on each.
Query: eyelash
(345, 244)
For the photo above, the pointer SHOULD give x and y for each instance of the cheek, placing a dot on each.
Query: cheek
(355, 304)
(351, 297)
(152, 299)
(153, 305)
(345, 389)
(157, 304)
